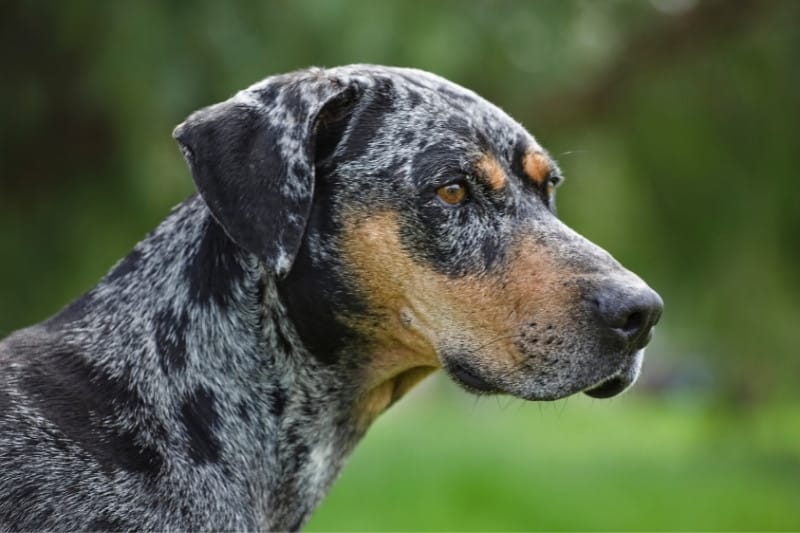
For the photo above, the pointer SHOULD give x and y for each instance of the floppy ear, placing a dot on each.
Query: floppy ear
(252, 160)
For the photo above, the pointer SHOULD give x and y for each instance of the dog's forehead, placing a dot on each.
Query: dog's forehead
(406, 125)
(455, 106)
(427, 105)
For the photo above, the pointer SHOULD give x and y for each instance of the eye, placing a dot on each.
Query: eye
(453, 193)
(552, 183)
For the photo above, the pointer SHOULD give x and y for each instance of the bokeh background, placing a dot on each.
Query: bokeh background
(677, 124)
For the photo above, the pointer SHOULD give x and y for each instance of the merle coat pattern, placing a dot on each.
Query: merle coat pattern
(355, 229)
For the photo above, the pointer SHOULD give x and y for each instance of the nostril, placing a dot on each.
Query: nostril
(634, 323)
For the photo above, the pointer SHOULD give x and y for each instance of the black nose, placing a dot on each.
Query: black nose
(630, 314)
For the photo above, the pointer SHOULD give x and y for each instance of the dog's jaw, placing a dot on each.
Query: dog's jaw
(619, 382)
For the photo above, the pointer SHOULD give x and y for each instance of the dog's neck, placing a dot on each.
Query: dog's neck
(222, 365)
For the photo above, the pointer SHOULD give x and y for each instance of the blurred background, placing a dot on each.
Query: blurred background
(677, 125)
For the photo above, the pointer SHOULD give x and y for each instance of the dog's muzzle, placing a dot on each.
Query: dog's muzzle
(628, 316)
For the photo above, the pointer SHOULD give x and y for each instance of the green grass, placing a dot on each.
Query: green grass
(442, 460)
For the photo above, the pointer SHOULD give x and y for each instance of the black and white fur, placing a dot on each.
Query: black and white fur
(215, 378)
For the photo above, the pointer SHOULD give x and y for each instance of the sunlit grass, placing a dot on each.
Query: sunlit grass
(441, 460)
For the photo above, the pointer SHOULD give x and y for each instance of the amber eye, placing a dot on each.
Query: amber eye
(452, 193)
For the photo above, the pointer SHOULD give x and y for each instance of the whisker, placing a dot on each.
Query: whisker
(572, 152)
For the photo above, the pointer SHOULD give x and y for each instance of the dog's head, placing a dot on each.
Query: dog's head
(411, 225)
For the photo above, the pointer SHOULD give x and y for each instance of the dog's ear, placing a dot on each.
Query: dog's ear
(252, 160)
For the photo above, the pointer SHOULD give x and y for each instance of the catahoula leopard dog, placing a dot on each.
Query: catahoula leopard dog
(355, 229)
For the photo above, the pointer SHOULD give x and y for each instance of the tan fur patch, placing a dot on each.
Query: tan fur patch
(376, 400)
(536, 166)
(493, 172)
(421, 311)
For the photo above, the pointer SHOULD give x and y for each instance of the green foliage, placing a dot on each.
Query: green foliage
(676, 123)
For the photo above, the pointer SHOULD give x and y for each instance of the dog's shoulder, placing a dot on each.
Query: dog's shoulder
(40, 376)
(34, 449)
(26, 351)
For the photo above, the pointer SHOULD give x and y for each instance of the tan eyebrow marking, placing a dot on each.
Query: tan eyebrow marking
(492, 171)
(536, 166)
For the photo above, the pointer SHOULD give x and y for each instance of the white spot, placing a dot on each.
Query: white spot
(283, 263)
(319, 462)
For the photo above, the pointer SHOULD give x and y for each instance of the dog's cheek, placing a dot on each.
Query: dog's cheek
(535, 329)
(456, 242)
(513, 326)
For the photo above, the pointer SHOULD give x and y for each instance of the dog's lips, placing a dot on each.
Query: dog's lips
(619, 382)
(608, 388)
(469, 379)
(606, 385)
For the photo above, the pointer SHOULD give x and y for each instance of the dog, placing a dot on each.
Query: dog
(355, 229)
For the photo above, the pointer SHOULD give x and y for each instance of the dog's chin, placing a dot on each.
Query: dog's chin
(609, 388)
(605, 386)
(619, 382)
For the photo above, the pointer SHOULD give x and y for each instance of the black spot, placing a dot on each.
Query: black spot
(59, 442)
(133, 457)
(85, 403)
(414, 97)
(309, 410)
(199, 417)
(295, 103)
(269, 93)
(127, 265)
(243, 408)
(300, 452)
(434, 160)
(170, 332)
(277, 402)
(331, 125)
(460, 126)
(297, 169)
(369, 116)
(491, 251)
(517, 155)
(292, 437)
(215, 268)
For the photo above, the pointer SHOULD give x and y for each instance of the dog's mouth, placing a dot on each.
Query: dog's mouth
(608, 388)
(619, 382)
(469, 379)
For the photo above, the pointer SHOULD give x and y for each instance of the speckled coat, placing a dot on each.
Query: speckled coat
(355, 229)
